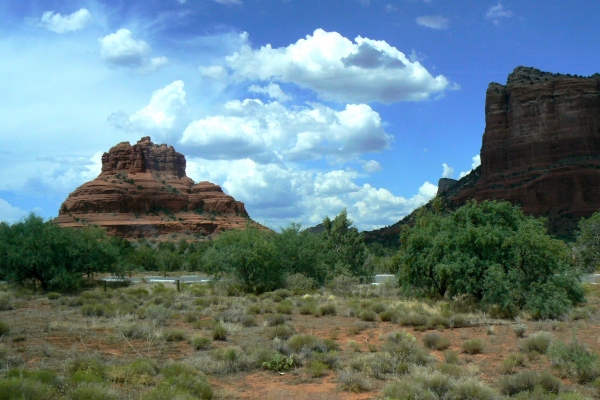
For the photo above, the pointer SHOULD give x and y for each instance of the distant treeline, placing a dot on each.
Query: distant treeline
(489, 251)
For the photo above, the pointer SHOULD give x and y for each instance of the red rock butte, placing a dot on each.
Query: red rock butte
(143, 191)
(540, 150)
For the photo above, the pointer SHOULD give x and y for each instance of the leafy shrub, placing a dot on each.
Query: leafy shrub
(24, 389)
(219, 332)
(200, 342)
(538, 341)
(459, 321)
(278, 362)
(277, 319)
(437, 321)
(53, 295)
(316, 368)
(470, 389)
(92, 392)
(436, 341)
(378, 307)
(306, 343)
(574, 360)
(4, 328)
(328, 309)
(527, 381)
(473, 346)
(285, 307)
(253, 309)
(283, 293)
(378, 365)
(390, 315)
(343, 285)
(450, 369)
(174, 336)
(205, 324)
(281, 332)
(358, 327)
(299, 283)
(158, 313)
(368, 315)
(248, 321)
(331, 359)
(413, 319)
(353, 382)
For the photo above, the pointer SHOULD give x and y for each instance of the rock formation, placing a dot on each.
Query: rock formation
(143, 191)
(540, 150)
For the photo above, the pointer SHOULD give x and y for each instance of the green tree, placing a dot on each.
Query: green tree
(494, 253)
(346, 247)
(249, 255)
(301, 252)
(56, 257)
(587, 244)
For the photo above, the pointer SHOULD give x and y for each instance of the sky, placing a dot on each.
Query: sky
(298, 108)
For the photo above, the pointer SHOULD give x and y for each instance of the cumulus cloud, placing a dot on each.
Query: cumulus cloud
(165, 115)
(276, 195)
(272, 90)
(10, 214)
(58, 23)
(120, 49)
(338, 69)
(476, 163)
(434, 21)
(495, 13)
(448, 171)
(370, 166)
(213, 72)
(269, 131)
(230, 2)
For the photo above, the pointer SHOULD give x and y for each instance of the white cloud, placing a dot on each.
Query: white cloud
(476, 163)
(68, 23)
(165, 115)
(272, 90)
(214, 72)
(390, 8)
(448, 171)
(230, 2)
(9, 213)
(338, 69)
(120, 49)
(276, 195)
(495, 13)
(370, 166)
(434, 21)
(269, 131)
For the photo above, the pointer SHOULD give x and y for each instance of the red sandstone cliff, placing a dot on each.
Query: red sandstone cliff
(143, 191)
(540, 150)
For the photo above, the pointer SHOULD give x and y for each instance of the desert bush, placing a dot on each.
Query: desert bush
(281, 332)
(253, 309)
(199, 342)
(403, 347)
(367, 315)
(316, 368)
(5, 303)
(378, 365)
(205, 324)
(471, 389)
(299, 283)
(328, 309)
(186, 381)
(174, 335)
(413, 319)
(53, 295)
(284, 307)
(330, 358)
(473, 346)
(519, 330)
(277, 319)
(248, 321)
(358, 327)
(580, 314)
(407, 390)
(574, 360)
(137, 331)
(350, 381)
(452, 370)
(91, 391)
(45, 376)
(511, 362)
(436, 341)
(4, 328)
(91, 364)
(219, 332)
(437, 321)
(378, 307)
(342, 285)
(306, 344)
(459, 321)
(157, 313)
(390, 315)
(538, 341)
(139, 372)
(96, 310)
(24, 389)
(526, 381)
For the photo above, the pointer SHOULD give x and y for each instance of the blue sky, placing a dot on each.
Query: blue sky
(298, 108)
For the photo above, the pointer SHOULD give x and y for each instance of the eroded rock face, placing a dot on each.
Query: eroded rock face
(143, 191)
(540, 150)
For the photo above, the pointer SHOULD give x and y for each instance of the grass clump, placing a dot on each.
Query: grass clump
(174, 336)
(277, 319)
(575, 361)
(539, 341)
(328, 309)
(511, 362)
(4, 328)
(436, 341)
(473, 346)
(219, 332)
(199, 342)
(404, 390)
(53, 296)
(316, 368)
(92, 391)
(24, 389)
(281, 332)
(368, 315)
(527, 381)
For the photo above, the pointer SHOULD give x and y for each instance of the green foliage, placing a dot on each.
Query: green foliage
(219, 332)
(587, 243)
(538, 341)
(473, 346)
(494, 253)
(278, 362)
(200, 342)
(56, 257)
(575, 361)
(4, 328)
(527, 381)
(250, 255)
(24, 389)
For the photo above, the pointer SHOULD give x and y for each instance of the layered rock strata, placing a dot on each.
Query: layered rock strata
(540, 150)
(143, 191)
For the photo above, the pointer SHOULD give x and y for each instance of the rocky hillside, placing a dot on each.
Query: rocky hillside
(540, 150)
(143, 191)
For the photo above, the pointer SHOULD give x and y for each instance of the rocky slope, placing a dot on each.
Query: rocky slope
(540, 150)
(143, 191)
